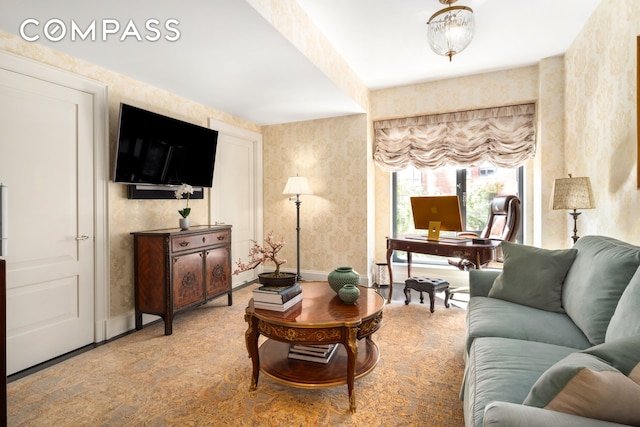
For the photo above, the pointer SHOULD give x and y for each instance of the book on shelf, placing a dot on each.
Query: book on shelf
(319, 351)
(278, 306)
(276, 294)
(294, 354)
(316, 347)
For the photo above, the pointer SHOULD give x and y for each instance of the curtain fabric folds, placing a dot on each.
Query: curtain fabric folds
(502, 136)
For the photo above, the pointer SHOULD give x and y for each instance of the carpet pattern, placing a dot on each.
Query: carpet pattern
(200, 376)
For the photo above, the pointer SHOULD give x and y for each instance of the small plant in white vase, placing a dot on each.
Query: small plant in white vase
(184, 213)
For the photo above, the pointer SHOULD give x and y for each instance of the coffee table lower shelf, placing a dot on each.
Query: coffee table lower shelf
(275, 363)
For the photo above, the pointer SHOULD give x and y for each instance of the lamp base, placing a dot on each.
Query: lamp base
(575, 214)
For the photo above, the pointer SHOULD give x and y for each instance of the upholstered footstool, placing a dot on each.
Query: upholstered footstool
(430, 286)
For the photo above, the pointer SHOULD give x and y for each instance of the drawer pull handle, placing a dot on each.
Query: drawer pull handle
(220, 237)
(184, 243)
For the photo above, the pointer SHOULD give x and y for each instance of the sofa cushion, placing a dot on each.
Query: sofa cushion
(626, 319)
(490, 317)
(504, 369)
(533, 276)
(587, 385)
(600, 273)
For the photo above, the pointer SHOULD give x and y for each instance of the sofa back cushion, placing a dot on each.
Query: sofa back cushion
(626, 319)
(596, 280)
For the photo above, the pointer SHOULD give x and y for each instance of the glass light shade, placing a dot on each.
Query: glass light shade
(297, 185)
(572, 193)
(451, 30)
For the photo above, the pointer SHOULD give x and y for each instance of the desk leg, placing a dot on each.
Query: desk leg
(352, 356)
(251, 340)
(409, 265)
(389, 267)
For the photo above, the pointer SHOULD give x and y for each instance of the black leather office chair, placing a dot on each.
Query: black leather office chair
(503, 223)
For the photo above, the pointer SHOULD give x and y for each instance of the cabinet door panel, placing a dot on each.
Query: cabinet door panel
(218, 271)
(187, 280)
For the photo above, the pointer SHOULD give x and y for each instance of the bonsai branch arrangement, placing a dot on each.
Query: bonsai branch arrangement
(259, 255)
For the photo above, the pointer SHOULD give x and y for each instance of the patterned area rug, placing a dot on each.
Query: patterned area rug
(200, 376)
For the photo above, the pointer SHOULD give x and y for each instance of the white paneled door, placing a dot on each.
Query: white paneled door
(236, 195)
(46, 160)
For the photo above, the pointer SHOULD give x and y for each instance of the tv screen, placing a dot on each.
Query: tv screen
(160, 150)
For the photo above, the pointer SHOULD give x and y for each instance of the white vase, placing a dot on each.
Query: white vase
(184, 223)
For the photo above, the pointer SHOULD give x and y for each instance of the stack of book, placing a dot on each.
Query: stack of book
(277, 298)
(312, 353)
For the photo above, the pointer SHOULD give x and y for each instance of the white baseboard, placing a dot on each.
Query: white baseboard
(126, 323)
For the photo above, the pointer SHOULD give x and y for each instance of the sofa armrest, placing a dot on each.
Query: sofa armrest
(480, 282)
(512, 414)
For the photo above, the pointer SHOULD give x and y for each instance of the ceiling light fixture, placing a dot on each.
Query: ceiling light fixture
(451, 29)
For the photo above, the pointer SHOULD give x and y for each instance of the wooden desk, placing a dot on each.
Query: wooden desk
(321, 318)
(477, 254)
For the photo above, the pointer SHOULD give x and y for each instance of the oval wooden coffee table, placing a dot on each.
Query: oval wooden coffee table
(321, 318)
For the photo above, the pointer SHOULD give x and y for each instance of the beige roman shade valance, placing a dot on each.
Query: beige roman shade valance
(502, 136)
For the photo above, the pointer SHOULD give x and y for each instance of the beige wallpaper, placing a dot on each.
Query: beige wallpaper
(126, 216)
(332, 154)
(601, 123)
(549, 226)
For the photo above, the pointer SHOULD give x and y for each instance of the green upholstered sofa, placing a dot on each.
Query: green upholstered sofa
(554, 338)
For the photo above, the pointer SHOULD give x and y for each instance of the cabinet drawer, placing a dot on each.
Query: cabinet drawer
(185, 243)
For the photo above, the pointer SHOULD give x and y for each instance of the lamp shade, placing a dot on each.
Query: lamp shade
(451, 30)
(297, 185)
(572, 193)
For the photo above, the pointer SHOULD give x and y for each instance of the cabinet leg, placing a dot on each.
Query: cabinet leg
(138, 320)
(229, 299)
(168, 324)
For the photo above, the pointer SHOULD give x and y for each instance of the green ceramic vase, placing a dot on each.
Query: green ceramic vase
(349, 293)
(343, 276)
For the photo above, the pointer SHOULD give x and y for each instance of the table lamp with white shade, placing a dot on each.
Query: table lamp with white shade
(573, 194)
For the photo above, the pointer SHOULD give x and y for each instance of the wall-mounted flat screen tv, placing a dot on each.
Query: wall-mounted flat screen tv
(160, 150)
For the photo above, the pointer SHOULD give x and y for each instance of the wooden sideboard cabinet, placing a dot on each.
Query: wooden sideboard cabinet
(179, 269)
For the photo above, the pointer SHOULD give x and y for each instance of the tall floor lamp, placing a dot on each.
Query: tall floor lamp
(296, 186)
(572, 193)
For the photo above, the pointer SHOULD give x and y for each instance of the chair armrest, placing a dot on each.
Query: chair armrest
(506, 414)
(480, 282)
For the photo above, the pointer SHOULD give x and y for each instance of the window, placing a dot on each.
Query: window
(474, 186)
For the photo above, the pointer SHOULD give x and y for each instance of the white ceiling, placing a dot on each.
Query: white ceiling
(229, 57)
